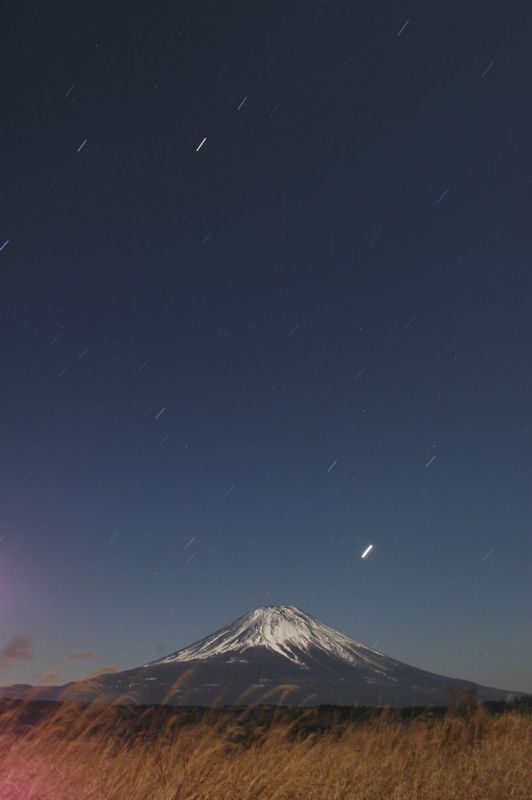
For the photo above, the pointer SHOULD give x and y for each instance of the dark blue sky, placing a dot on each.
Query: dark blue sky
(226, 371)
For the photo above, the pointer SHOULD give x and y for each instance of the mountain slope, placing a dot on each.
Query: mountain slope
(274, 654)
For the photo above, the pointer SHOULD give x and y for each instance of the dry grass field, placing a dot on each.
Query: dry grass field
(73, 752)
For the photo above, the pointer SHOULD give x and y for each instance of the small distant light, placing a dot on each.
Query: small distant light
(367, 551)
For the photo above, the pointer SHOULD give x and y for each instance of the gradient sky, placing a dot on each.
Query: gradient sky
(226, 371)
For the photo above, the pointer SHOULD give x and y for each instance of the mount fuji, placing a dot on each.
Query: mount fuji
(274, 654)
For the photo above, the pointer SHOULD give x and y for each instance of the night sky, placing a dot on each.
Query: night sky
(265, 295)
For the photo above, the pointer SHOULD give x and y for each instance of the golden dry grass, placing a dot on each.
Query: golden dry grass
(77, 753)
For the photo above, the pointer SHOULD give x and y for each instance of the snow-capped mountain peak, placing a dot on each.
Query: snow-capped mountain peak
(285, 630)
(272, 655)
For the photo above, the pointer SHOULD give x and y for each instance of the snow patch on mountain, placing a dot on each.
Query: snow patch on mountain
(285, 630)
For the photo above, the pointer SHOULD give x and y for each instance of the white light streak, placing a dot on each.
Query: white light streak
(367, 551)
(82, 145)
(487, 69)
(404, 26)
(198, 148)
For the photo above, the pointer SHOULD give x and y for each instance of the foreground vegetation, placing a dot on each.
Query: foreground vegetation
(65, 751)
